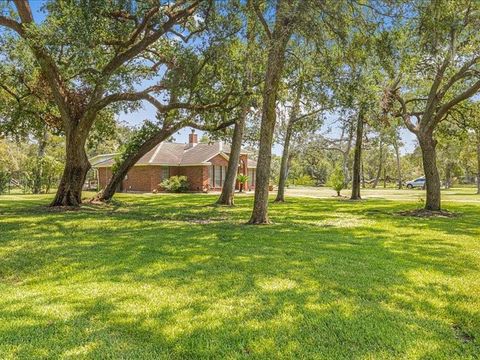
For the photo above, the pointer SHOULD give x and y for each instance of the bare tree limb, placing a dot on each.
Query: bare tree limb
(311, 113)
(217, 127)
(11, 24)
(433, 93)
(404, 113)
(461, 73)
(472, 90)
(24, 11)
(264, 23)
(137, 48)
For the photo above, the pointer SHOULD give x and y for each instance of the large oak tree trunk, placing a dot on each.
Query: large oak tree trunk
(275, 65)
(228, 190)
(69, 192)
(357, 159)
(284, 164)
(123, 168)
(432, 178)
(226, 197)
(262, 179)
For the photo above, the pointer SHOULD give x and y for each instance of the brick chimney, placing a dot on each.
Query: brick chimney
(192, 139)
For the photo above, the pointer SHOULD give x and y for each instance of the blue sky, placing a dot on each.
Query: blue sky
(148, 111)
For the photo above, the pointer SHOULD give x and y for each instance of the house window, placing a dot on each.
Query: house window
(165, 172)
(224, 174)
(217, 174)
(210, 175)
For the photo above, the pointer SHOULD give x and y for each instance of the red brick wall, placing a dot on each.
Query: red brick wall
(174, 171)
(197, 176)
(219, 160)
(104, 175)
(139, 178)
(147, 178)
(142, 178)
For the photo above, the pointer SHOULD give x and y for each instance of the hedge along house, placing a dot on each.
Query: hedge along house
(204, 165)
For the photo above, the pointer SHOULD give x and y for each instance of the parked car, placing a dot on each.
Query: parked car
(417, 183)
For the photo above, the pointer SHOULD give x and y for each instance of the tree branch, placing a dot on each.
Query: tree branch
(180, 105)
(264, 23)
(462, 73)
(11, 24)
(433, 98)
(24, 11)
(126, 96)
(47, 64)
(301, 117)
(11, 93)
(220, 126)
(138, 47)
(472, 90)
(404, 114)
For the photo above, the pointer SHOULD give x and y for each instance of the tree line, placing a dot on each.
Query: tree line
(258, 70)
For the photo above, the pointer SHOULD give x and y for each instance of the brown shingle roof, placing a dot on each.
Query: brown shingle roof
(200, 153)
(174, 154)
(164, 153)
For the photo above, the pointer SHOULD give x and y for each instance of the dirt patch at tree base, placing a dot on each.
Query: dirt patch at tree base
(423, 213)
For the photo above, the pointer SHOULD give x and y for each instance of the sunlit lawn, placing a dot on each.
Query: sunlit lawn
(169, 276)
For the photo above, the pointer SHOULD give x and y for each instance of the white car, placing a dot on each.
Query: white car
(417, 183)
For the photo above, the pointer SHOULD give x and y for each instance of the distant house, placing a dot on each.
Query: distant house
(204, 165)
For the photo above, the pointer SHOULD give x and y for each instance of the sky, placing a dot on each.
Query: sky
(148, 111)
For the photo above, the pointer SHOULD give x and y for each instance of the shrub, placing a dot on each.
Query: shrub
(336, 180)
(242, 180)
(175, 184)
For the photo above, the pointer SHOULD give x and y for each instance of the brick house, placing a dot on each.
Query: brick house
(204, 165)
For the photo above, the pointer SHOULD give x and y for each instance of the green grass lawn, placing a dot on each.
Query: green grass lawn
(170, 276)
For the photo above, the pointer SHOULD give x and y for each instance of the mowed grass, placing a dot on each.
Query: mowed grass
(172, 277)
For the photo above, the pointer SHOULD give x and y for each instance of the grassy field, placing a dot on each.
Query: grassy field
(170, 276)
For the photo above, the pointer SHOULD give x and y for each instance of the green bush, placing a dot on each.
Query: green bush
(175, 184)
(242, 180)
(336, 180)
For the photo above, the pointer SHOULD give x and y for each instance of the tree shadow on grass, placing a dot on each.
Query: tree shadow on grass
(143, 282)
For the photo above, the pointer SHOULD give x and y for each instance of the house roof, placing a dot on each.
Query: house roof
(175, 154)
(97, 159)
